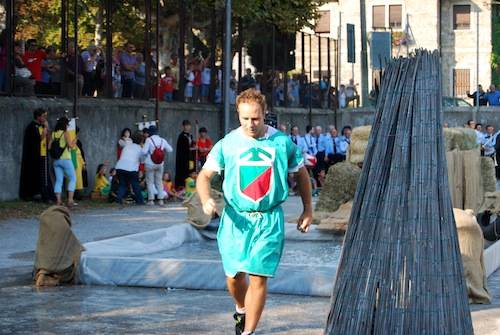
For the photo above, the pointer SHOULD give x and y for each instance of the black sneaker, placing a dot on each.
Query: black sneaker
(240, 323)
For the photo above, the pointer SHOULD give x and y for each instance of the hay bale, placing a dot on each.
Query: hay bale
(466, 139)
(359, 143)
(318, 216)
(488, 174)
(449, 138)
(337, 221)
(473, 188)
(339, 188)
(460, 138)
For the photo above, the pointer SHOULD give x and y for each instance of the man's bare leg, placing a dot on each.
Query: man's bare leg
(238, 287)
(255, 300)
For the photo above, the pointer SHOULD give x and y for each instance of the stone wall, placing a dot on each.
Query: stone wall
(101, 121)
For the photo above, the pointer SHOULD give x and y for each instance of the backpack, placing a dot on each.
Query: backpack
(55, 150)
(158, 155)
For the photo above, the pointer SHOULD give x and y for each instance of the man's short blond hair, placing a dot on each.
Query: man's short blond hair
(252, 96)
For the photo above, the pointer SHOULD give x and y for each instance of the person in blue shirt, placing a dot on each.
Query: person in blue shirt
(493, 96)
(310, 140)
(488, 141)
(337, 145)
(297, 139)
(320, 139)
(331, 147)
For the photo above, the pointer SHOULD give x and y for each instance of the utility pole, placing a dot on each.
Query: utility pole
(364, 54)
(227, 65)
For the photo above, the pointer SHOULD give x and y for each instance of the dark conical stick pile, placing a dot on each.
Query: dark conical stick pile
(400, 270)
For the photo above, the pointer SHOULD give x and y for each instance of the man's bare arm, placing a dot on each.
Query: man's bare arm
(304, 188)
(203, 189)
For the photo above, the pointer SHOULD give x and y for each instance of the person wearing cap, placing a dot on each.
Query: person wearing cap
(154, 171)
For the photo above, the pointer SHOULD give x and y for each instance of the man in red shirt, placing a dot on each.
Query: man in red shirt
(33, 59)
(167, 85)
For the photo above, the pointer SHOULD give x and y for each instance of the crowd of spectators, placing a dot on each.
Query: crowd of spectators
(44, 71)
(489, 98)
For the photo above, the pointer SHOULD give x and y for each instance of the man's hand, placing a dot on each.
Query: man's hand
(209, 207)
(304, 221)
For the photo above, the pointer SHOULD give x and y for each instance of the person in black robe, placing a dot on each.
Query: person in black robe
(184, 155)
(35, 178)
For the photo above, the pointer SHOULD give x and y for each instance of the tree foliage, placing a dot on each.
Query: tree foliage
(41, 19)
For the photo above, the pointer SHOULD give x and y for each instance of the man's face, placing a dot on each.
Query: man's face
(130, 48)
(333, 132)
(32, 46)
(472, 125)
(479, 128)
(490, 130)
(187, 128)
(295, 131)
(347, 133)
(42, 118)
(251, 118)
(318, 130)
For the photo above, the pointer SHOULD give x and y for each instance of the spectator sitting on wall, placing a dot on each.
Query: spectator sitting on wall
(342, 97)
(493, 96)
(90, 60)
(51, 72)
(140, 77)
(128, 65)
(205, 81)
(74, 70)
(188, 90)
(482, 96)
(351, 93)
(167, 85)
(23, 80)
(175, 74)
(247, 81)
(33, 58)
(3, 59)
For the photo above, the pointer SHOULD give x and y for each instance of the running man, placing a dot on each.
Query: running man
(256, 159)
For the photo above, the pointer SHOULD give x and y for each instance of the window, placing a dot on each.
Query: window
(323, 23)
(461, 82)
(461, 17)
(395, 16)
(378, 20)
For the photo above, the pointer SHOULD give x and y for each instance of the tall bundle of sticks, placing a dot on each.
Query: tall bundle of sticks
(400, 270)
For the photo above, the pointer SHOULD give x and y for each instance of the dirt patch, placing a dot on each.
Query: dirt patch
(18, 209)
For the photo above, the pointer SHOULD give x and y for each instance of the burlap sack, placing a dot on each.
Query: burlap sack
(58, 250)
(471, 243)
(195, 214)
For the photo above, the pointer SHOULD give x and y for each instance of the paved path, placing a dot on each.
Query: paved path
(129, 310)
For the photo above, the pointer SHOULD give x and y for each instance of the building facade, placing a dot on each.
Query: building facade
(460, 29)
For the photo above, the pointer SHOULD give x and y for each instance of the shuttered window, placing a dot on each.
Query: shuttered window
(323, 23)
(461, 17)
(461, 82)
(378, 20)
(395, 16)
